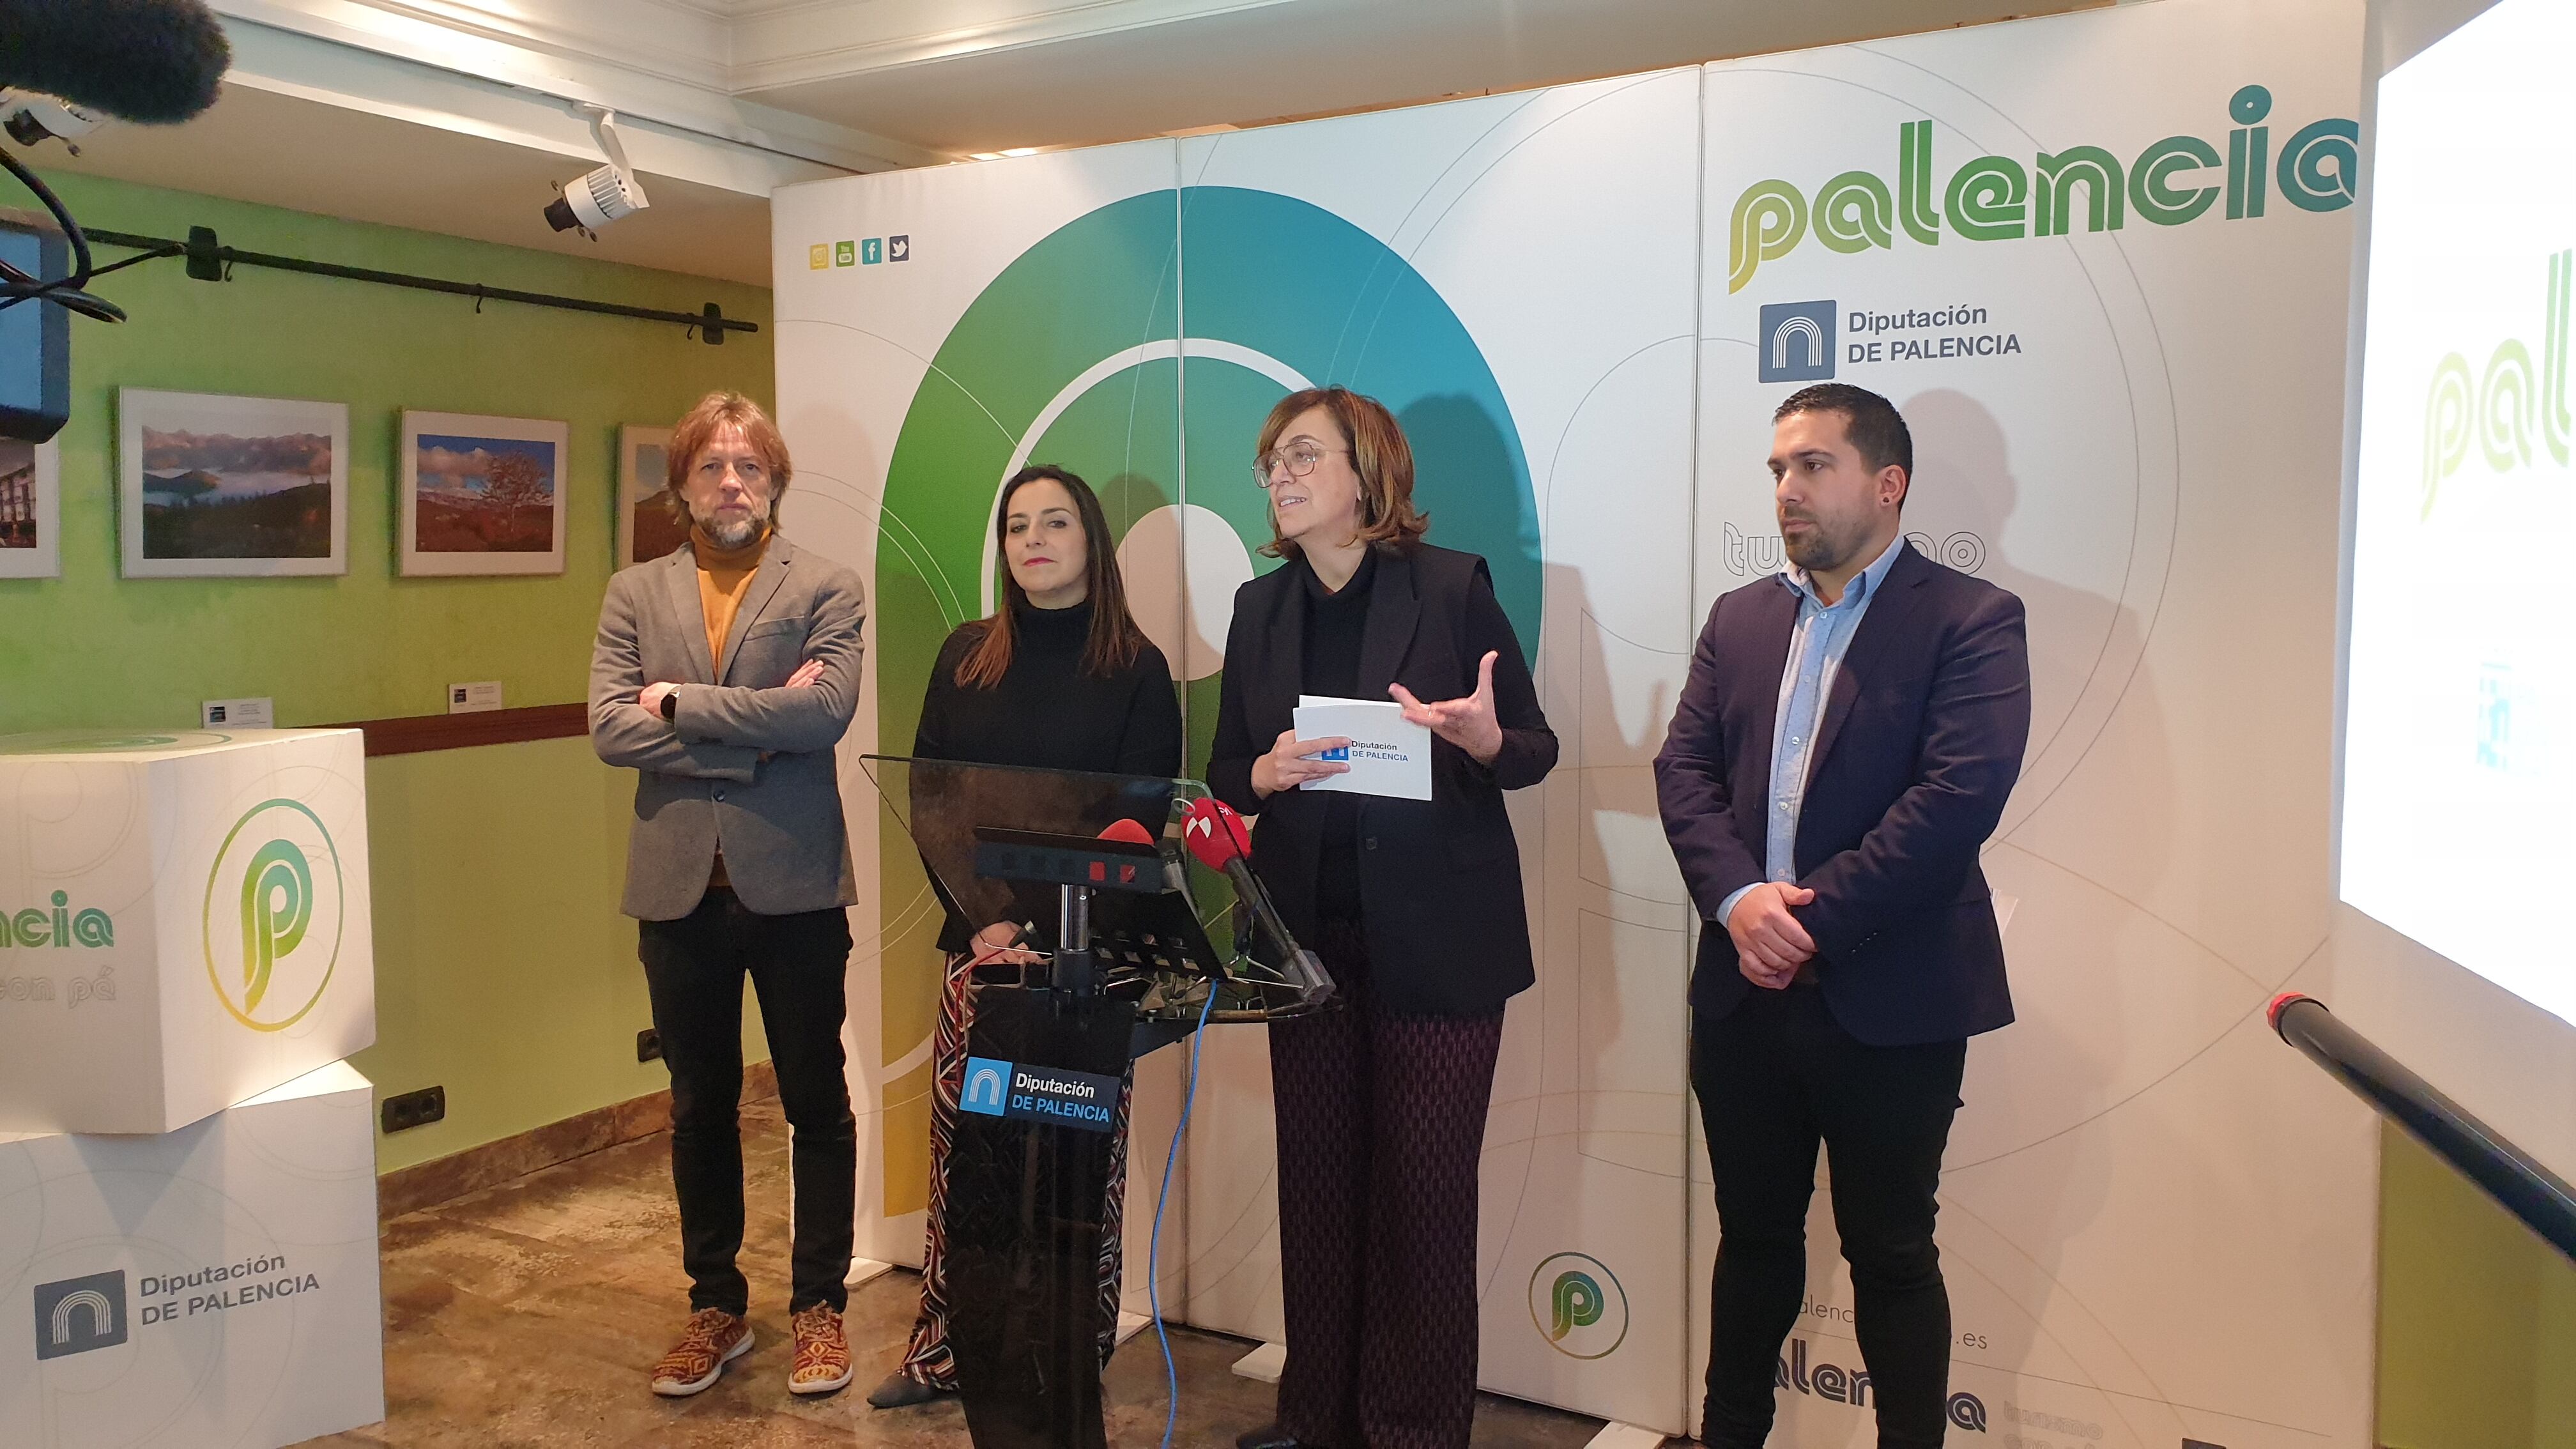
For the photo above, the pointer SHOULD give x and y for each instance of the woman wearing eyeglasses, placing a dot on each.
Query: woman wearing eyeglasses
(1414, 905)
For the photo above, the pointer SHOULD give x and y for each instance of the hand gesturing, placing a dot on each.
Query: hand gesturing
(1467, 723)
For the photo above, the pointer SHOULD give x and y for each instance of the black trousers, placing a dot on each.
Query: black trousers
(694, 968)
(1775, 1077)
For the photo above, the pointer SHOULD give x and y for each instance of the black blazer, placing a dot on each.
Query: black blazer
(1918, 747)
(1440, 879)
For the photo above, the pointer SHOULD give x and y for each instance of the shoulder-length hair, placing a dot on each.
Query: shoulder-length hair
(1379, 454)
(690, 436)
(1115, 640)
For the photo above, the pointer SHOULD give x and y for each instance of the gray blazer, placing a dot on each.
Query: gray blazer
(747, 766)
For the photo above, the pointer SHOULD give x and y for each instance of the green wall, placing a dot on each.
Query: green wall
(503, 970)
(2477, 1316)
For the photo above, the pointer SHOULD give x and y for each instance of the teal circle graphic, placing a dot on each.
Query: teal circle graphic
(1277, 290)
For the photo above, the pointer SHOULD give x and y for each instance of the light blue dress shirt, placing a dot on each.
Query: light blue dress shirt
(1816, 648)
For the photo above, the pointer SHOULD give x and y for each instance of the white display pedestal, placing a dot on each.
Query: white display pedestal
(184, 922)
(213, 1285)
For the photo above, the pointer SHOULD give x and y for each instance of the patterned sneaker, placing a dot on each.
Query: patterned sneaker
(713, 1339)
(822, 1353)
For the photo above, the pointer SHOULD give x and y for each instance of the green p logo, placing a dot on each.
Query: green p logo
(276, 906)
(1578, 1304)
(275, 887)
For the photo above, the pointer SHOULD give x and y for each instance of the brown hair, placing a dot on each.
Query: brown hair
(1115, 640)
(1379, 454)
(690, 436)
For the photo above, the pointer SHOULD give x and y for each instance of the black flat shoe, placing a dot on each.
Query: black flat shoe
(1268, 1436)
(903, 1391)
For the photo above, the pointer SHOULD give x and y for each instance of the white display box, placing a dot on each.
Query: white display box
(184, 922)
(213, 1285)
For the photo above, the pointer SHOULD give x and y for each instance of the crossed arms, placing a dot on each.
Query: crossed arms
(723, 732)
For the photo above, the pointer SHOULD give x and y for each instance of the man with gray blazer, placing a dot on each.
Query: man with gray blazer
(724, 675)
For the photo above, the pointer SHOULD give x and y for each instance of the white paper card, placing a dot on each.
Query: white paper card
(1388, 755)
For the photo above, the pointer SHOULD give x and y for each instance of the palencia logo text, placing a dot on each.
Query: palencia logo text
(1833, 1382)
(2500, 409)
(219, 1290)
(1997, 198)
(61, 927)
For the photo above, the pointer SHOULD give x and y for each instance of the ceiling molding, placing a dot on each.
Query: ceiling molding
(809, 40)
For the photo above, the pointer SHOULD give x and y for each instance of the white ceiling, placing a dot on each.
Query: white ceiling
(456, 116)
(1245, 64)
(310, 155)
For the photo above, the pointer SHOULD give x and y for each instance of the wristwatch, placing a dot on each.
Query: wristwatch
(671, 705)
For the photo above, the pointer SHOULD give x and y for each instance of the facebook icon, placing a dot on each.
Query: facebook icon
(1797, 342)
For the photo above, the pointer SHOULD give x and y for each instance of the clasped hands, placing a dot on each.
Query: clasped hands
(1770, 945)
(1468, 723)
(650, 701)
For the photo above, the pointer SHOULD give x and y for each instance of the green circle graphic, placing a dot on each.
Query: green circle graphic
(1278, 290)
(1545, 1330)
(206, 915)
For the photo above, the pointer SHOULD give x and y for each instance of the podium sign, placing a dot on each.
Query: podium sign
(213, 1285)
(184, 922)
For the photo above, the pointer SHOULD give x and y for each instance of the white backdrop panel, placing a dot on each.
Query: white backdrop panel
(2149, 465)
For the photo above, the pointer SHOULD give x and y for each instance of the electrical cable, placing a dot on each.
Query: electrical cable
(17, 286)
(1154, 1251)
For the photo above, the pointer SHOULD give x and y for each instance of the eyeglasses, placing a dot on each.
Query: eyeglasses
(1301, 458)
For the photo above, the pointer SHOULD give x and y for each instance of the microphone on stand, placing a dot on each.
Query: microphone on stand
(1217, 836)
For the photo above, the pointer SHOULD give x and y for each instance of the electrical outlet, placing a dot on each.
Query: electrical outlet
(415, 1109)
(648, 1045)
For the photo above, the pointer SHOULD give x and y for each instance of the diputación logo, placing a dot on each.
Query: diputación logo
(1797, 342)
(2500, 409)
(77, 1315)
(273, 914)
(1578, 1306)
(1997, 198)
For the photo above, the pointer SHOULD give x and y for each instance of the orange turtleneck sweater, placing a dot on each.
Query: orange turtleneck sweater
(724, 576)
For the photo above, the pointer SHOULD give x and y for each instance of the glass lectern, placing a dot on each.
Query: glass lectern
(1146, 922)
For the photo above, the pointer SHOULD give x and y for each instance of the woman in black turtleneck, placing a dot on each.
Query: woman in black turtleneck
(1059, 678)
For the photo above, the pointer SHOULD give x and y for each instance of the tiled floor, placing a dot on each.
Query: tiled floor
(527, 1315)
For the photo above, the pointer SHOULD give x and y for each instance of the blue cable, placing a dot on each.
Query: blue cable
(1154, 1252)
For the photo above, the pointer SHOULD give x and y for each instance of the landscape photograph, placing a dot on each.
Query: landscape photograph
(652, 529)
(215, 486)
(213, 495)
(483, 495)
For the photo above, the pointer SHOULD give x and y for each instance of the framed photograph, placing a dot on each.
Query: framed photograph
(211, 486)
(31, 510)
(481, 495)
(646, 530)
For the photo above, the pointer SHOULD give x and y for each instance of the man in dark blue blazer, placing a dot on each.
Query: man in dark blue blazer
(1845, 744)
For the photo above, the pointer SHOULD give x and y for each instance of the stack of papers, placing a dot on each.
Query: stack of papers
(1387, 755)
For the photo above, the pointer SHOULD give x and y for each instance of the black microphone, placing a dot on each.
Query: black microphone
(153, 61)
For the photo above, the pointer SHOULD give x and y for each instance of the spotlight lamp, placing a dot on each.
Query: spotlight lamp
(33, 116)
(603, 195)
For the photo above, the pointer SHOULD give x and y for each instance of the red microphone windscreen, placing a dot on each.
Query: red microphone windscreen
(1128, 831)
(1215, 834)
